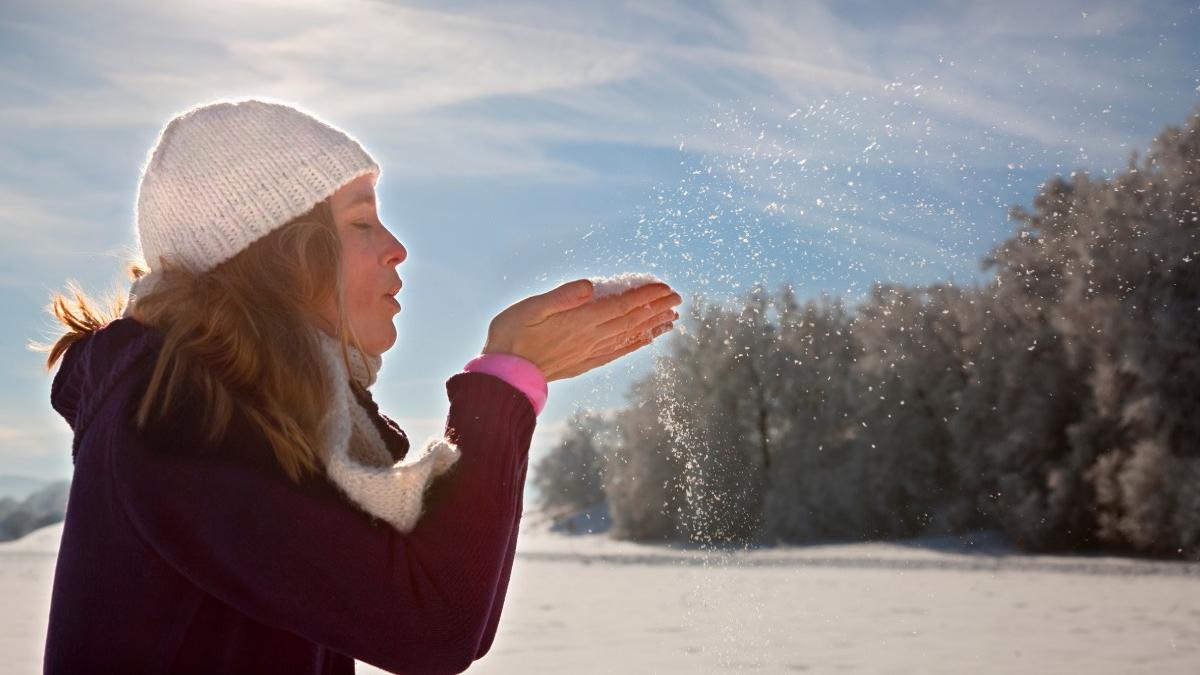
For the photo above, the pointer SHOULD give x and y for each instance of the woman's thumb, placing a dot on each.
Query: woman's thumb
(567, 296)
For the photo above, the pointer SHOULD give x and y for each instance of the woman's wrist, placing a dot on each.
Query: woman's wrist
(517, 371)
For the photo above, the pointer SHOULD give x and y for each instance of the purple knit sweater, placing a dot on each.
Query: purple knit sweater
(180, 555)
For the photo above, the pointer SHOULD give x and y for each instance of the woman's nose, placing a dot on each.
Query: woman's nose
(395, 253)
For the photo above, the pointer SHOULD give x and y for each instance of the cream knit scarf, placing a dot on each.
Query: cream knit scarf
(356, 457)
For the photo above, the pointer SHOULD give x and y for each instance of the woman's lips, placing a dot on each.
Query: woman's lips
(391, 294)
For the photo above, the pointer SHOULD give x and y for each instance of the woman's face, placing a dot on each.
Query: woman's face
(370, 255)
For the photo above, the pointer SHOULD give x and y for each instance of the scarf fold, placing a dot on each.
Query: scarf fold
(355, 455)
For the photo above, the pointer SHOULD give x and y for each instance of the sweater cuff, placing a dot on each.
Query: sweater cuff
(519, 372)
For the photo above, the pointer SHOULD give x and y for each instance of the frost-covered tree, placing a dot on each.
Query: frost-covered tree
(1011, 448)
(570, 478)
(1099, 288)
(866, 452)
(1143, 282)
(642, 476)
(911, 366)
(812, 489)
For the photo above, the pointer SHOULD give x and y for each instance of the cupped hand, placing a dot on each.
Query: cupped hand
(564, 335)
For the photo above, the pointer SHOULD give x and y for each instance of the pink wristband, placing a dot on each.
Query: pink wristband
(519, 372)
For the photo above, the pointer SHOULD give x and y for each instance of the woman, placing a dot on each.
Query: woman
(239, 503)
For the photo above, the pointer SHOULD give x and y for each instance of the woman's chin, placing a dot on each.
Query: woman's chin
(381, 340)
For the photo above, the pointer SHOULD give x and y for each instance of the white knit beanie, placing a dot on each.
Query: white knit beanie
(224, 174)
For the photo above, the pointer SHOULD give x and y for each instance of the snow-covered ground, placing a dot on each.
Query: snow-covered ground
(589, 604)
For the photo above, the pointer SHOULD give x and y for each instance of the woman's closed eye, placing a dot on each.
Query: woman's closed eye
(362, 226)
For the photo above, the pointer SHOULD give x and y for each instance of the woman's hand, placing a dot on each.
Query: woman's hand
(564, 335)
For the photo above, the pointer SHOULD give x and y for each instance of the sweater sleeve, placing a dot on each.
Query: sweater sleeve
(506, 572)
(305, 561)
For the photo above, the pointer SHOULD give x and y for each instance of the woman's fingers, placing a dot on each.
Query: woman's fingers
(641, 314)
(650, 329)
(645, 324)
(612, 307)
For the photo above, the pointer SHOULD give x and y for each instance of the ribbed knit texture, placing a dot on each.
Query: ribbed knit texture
(224, 174)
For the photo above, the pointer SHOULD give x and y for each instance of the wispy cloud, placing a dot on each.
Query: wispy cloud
(410, 76)
(385, 66)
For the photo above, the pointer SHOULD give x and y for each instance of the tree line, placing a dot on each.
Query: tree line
(45, 506)
(1058, 402)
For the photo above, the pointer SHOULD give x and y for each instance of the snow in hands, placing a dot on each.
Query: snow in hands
(615, 285)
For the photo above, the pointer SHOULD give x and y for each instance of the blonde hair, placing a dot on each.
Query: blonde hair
(240, 334)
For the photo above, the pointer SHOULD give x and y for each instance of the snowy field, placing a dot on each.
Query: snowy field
(588, 604)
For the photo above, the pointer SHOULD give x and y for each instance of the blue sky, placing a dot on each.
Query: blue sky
(524, 144)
